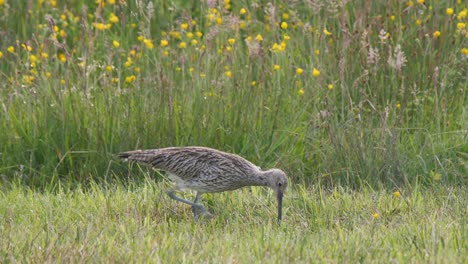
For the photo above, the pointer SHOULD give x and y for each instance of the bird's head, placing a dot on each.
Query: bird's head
(278, 181)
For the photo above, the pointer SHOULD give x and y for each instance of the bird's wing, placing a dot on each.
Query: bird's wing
(192, 162)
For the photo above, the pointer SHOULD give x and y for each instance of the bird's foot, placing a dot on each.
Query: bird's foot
(200, 211)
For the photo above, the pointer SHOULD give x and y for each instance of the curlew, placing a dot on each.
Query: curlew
(207, 170)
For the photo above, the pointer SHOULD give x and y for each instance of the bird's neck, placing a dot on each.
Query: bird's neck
(259, 179)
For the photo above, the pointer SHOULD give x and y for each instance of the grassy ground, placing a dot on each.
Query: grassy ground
(354, 100)
(139, 223)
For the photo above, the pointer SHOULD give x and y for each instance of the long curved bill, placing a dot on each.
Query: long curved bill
(280, 206)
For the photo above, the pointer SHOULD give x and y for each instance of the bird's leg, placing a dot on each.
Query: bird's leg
(197, 209)
(172, 194)
(197, 197)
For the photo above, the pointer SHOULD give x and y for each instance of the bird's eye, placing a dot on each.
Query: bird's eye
(280, 184)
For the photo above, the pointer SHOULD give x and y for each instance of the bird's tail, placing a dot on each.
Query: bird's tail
(144, 156)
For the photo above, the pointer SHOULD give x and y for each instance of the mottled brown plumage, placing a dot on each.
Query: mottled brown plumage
(207, 170)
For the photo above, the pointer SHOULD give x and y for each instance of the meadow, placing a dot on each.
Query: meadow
(362, 103)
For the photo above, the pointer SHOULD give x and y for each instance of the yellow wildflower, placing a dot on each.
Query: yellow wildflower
(140, 38)
(462, 14)
(11, 49)
(242, 11)
(231, 41)
(301, 91)
(62, 57)
(62, 33)
(259, 38)
(375, 215)
(253, 83)
(436, 34)
(285, 16)
(317, 52)
(33, 71)
(101, 26)
(2, 2)
(1, 53)
(184, 26)
(62, 81)
(115, 43)
(32, 58)
(48, 74)
(242, 24)
(28, 79)
(276, 47)
(109, 68)
(128, 63)
(315, 72)
(410, 3)
(421, 2)
(461, 25)
(202, 75)
(130, 79)
(189, 35)
(194, 42)
(276, 67)
(330, 86)
(284, 25)
(219, 20)
(464, 51)
(228, 74)
(449, 11)
(392, 18)
(137, 69)
(113, 18)
(299, 71)
(26, 47)
(418, 22)
(164, 43)
(182, 45)
(397, 194)
(326, 32)
(111, 2)
(148, 43)
(198, 34)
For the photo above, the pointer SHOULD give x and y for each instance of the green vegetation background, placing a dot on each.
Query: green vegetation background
(362, 103)
(86, 80)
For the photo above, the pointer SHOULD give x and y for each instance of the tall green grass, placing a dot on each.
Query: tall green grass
(381, 123)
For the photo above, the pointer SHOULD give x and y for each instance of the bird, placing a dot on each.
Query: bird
(207, 170)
